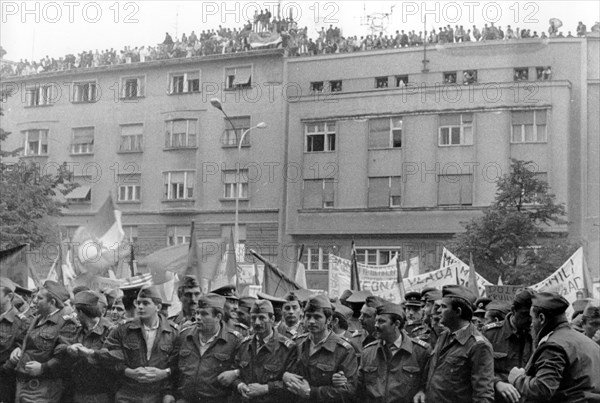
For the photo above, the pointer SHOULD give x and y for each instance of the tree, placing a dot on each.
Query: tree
(513, 237)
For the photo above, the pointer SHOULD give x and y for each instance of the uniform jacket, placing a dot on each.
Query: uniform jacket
(428, 333)
(196, 376)
(334, 355)
(13, 327)
(267, 365)
(383, 379)
(126, 346)
(511, 348)
(565, 365)
(288, 332)
(461, 368)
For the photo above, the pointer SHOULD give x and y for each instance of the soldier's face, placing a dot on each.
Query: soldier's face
(537, 322)
(315, 321)
(590, 326)
(292, 313)
(385, 328)
(243, 316)
(231, 306)
(449, 317)
(414, 313)
(146, 308)
(262, 323)
(522, 319)
(117, 312)
(43, 302)
(5, 297)
(189, 299)
(367, 319)
(207, 321)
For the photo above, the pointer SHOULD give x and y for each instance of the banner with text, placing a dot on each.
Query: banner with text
(505, 293)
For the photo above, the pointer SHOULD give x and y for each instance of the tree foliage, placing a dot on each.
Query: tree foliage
(512, 238)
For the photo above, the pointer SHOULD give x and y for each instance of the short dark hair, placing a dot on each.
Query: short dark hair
(466, 309)
(395, 317)
(342, 322)
(89, 311)
(291, 297)
(328, 312)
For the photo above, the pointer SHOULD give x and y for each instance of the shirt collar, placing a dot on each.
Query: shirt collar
(213, 338)
(463, 334)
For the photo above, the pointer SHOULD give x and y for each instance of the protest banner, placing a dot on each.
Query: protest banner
(505, 293)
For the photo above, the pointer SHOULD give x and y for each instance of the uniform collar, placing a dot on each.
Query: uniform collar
(463, 334)
(9, 315)
(328, 343)
(163, 324)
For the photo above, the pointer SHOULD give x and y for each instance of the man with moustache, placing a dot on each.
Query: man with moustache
(263, 359)
(206, 351)
(291, 325)
(431, 329)
(189, 294)
(321, 354)
(511, 340)
(462, 365)
(393, 368)
(565, 364)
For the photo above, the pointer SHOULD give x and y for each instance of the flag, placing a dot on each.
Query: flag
(15, 264)
(299, 269)
(275, 282)
(400, 279)
(231, 265)
(193, 259)
(139, 280)
(97, 242)
(473, 276)
(354, 279)
(62, 270)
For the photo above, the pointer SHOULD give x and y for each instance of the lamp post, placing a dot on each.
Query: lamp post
(217, 104)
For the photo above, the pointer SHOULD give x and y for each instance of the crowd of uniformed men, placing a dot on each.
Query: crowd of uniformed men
(437, 346)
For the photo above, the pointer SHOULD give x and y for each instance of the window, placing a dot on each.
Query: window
(132, 138)
(231, 136)
(39, 95)
(82, 193)
(316, 258)
(455, 190)
(83, 140)
(318, 193)
(450, 77)
(385, 133)
(385, 191)
(184, 83)
(316, 86)
(401, 81)
(320, 137)
(543, 73)
(180, 133)
(238, 77)
(381, 82)
(521, 74)
(335, 86)
(227, 229)
(231, 183)
(129, 188)
(35, 142)
(376, 256)
(179, 185)
(85, 92)
(132, 87)
(178, 234)
(131, 233)
(529, 127)
(456, 130)
(469, 77)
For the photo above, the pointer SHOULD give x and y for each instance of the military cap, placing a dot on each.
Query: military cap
(23, 291)
(391, 308)
(246, 303)
(343, 310)
(189, 282)
(523, 298)
(87, 298)
(57, 290)
(579, 305)
(150, 291)
(212, 300)
(550, 301)
(319, 301)
(359, 297)
(262, 306)
(111, 295)
(228, 291)
(167, 303)
(413, 298)
(345, 295)
(373, 301)
(498, 306)
(481, 305)
(429, 294)
(275, 301)
(303, 294)
(591, 311)
(118, 302)
(7, 283)
(459, 291)
(102, 299)
(80, 288)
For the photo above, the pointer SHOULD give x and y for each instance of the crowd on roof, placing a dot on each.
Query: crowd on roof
(286, 34)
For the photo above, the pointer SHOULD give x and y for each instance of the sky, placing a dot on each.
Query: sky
(33, 29)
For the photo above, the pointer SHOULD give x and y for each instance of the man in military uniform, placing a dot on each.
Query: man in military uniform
(321, 355)
(511, 340)
(414, 311)
(244, 317)
(117, 312)
(339, 326)
(368, 312)
(277, 306)
(565, 364)
(189, 293)
(480, 310)
(130, 294)
(232, 302)
(40, 362)
(13, 327)
(355, 301)
(89, 380)
(263, 359)
(393, 368)
(496, 312)
(431, 329)
(206, 349)
(143, 349)
(291, 325)
(590, 322)
(462, 364)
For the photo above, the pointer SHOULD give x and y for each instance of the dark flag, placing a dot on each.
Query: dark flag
(275, 282)
(354, 279)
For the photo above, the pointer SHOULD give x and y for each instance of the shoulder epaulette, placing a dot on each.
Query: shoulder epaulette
(71, 316)
(545, 338)
(480, 339)
(174, 325)
(288, 343)
(22, 316)
(299, 336)
(184, 328)
(373, 343)
(493, 325)
(421, 343)
(345, 344)
(242, 326)
(356, 333)
(247, 338)
(236, 333)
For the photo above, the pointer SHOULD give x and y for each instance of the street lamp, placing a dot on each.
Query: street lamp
(217, 104)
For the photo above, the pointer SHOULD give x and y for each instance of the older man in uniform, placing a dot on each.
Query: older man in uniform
(414, 311)
(40, 363)
(291, 325)
(189, 294)
(90, 381)
(13, 327)
(232, 303)
(565, 364)
(462, 364)
(243, 313)
(393, 368)
(429, 331)
(480, 309)
(511, 340)
(263, 359)
(368, 312)
(206, 349)
(321, 355)
(143, 349)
